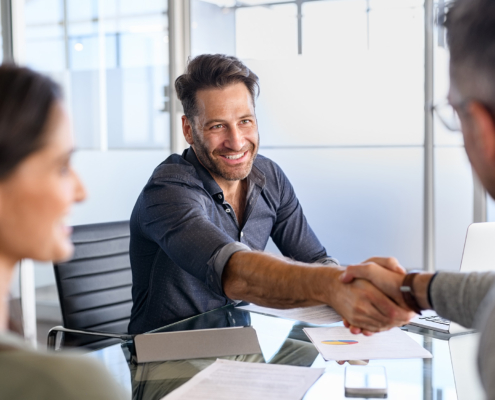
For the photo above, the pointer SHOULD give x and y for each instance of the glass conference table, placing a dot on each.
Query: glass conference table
(451, 373)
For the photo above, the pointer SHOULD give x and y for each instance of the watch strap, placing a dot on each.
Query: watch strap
(408, 293)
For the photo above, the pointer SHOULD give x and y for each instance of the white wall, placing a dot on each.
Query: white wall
(113, 181)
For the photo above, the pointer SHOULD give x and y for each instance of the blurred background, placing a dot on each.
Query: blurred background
(347, 89)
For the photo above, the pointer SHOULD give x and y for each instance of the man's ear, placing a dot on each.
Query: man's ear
(484, 129)
(187, 130)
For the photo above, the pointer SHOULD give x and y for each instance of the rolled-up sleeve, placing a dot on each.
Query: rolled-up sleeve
(221, 258)
(328, 261)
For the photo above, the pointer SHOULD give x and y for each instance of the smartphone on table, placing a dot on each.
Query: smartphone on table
(365, 381)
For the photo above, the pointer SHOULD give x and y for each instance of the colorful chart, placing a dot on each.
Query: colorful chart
(339, 342)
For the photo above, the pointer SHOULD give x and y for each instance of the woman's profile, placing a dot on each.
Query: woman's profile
(37, 189)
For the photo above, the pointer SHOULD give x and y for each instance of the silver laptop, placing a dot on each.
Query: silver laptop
(478, 255)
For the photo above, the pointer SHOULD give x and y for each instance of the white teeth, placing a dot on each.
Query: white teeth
(235, 157)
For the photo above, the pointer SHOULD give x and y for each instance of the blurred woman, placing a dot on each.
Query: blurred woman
(37, 188)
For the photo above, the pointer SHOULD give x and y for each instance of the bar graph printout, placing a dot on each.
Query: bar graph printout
(318, 315)
(227, 380)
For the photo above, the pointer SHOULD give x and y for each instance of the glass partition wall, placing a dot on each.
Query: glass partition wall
(342, 106)
(342, 110)
(5, 31)
(112, 58)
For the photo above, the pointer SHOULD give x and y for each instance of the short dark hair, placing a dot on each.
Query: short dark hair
(471, 38)
(212, 71)
(26, 98)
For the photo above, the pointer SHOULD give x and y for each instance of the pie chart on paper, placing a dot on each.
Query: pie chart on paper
(339, 342)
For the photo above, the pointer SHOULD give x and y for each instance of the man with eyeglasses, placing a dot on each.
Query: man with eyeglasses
(467, 299)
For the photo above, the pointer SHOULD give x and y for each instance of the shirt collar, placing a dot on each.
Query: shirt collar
(255, 177)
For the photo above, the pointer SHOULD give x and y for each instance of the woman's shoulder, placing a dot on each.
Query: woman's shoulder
(29, 374)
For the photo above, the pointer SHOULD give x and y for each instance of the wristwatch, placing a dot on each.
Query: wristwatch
(408, 293)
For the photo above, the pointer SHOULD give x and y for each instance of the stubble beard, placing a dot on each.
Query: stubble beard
(214, 166)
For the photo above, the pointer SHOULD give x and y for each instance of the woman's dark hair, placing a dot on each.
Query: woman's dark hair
(209, 71)
(26, 98)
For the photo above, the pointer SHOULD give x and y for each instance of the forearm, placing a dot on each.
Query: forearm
(274, 282)
(458, 296)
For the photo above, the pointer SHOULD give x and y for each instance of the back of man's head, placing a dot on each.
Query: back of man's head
(212, 71)
(471, 38)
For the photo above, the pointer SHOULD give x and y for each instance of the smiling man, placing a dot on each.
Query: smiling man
(200, 225)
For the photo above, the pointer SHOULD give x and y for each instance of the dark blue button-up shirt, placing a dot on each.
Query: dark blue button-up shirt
(183, 233)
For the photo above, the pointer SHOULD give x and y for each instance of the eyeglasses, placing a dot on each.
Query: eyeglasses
(448, 116)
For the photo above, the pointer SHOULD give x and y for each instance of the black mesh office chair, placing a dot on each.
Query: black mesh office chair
(94, 288)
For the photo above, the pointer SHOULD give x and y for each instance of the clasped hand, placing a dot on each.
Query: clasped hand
(374, 302)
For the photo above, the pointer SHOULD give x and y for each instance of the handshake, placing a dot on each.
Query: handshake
(370, 299)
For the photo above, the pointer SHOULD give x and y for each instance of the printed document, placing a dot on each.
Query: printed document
(337, 343)
(318, 315)
(227, 380)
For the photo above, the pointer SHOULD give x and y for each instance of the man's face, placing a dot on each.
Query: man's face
(224, 134)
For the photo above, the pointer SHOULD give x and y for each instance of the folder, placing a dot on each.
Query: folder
(201, 343)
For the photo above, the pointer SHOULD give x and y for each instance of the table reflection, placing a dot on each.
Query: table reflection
(152, 381)
(283, 342)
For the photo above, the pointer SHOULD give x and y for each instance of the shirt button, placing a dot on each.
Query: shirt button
(242, 234)
(227, 210)
(220, 196)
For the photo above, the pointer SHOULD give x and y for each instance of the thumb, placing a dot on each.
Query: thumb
(354, 272)
(346, 277)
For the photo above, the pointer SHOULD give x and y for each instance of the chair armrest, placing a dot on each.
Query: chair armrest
(52, 335)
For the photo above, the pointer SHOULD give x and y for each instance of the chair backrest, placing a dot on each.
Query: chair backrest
(94, 287)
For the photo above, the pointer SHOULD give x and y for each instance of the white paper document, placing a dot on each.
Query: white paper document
(227, 380)
(339, 344)
(318, 315)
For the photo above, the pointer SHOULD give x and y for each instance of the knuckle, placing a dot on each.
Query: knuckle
(359, 310)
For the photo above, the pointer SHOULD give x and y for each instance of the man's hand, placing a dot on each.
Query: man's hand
(270, 281)
(387, 275)
(384, 273)
(362, 305)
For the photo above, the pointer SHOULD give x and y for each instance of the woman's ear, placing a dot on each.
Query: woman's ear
(483, 126)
